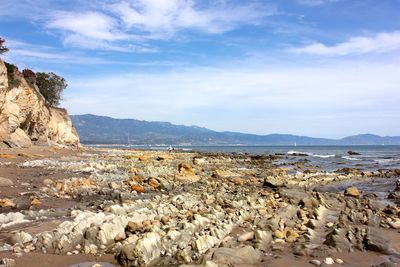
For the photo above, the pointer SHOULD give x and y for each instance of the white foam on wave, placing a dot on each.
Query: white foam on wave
(383, 161)
(324, 156)
(349, 158)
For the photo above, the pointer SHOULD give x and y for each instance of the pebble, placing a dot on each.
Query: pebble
(315, 262)
(165, 219)
(36, 202)
(329, 224)
(339, 261)
(329, 261)
(246, 237)
(5, 202)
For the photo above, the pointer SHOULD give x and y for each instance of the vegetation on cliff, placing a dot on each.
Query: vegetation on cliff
(3, 49)
(51, 87)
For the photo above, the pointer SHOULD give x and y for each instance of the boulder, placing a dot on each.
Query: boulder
(5, 182)
(352, 192)
(246, 255)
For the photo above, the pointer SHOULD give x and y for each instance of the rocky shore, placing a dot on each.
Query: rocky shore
(115, 207)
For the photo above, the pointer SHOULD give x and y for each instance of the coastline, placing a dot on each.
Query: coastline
(207, 205)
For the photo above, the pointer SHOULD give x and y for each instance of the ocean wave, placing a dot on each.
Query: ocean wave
(349, 158)
(323, 156)
(383, 161)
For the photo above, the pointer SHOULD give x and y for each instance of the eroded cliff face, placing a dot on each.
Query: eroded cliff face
(25, 119)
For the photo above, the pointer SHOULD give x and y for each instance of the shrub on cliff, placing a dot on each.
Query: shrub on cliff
(51, 87)
(12, 71)
(3, 49)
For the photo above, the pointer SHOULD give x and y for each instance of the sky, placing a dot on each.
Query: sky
(322, 68)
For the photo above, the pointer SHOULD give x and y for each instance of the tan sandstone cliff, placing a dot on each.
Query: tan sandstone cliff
(25, 119)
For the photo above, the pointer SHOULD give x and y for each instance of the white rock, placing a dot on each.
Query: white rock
(339, 261)
(246, 236)
(315, 262)
(329, 261)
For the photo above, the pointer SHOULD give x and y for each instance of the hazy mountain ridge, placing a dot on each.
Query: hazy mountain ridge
(106, 130)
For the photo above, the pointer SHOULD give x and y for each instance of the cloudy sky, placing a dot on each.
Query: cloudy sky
(324, 68)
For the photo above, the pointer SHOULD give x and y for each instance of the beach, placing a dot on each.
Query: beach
(129, 207)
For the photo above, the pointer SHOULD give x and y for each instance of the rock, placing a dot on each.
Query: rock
(352, 192)
(7, 156)
(113, 185)
(339, 261)
(143, 157)
(165, 219)
(48, 182)
(349, 171)
(375, 241)
(5, 202)
(120, 236)
(236, 256)
(263, 239)
(154, 183)
(137, 188)
(315, 262)
(5, 182)
(238, 181)
(246, 237)
(20, 238)
(329, 261)
(185, 168)
(7, 263)
(352, 153)
(279, 234)
(222, 174)
(133, 227)
(36, 202)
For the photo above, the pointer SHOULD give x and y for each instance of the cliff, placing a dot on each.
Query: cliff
(26, 120)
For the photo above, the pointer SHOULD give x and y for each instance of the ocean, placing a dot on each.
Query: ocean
(326, 158)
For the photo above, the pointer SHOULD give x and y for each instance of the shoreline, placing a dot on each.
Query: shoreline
(207, 205)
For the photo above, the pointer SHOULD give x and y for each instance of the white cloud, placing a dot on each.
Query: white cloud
(260, 100)
(163, 18)
(90, 24)
(25, 52)
(379, 43)
(126, 26)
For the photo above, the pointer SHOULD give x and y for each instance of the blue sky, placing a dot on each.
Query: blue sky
(326, 68)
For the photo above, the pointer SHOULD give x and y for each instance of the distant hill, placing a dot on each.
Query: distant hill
(94, 129)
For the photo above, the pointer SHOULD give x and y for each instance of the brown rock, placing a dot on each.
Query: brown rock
(238, 181)
(137, 188)
(120, 236)
(153, 183)
(352, 192)
(133, 227)
(165, 219)
(185, 168)
(224, 174)
(7, 156)
(36, 202)
(5, 202)
(143, 157)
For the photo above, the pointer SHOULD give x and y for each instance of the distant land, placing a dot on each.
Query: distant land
(94, 129)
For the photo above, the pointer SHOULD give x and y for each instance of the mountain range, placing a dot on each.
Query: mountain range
(94, 129)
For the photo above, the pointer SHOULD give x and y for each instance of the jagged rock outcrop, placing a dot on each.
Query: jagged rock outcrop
(25, 119)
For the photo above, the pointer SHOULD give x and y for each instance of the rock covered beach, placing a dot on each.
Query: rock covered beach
(151, 208)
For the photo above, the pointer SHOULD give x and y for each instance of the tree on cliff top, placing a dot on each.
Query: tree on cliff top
(51, 87)
(3, 49)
